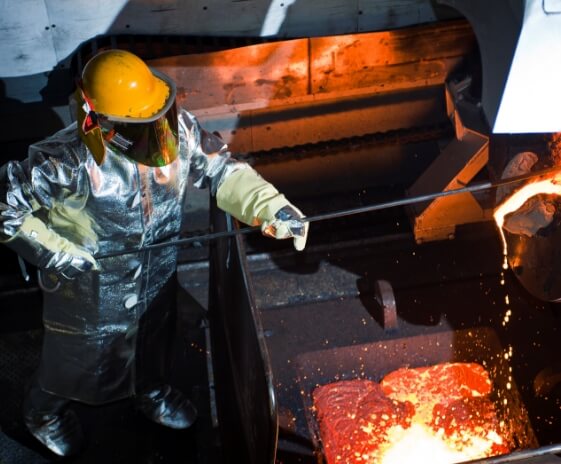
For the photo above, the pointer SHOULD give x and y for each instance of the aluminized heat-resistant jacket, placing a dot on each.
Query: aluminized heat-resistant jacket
(95, 322)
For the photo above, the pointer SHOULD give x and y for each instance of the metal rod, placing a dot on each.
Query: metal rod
(429, 196)
(477, 187)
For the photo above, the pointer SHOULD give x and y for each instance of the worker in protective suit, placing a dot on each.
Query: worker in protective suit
(116, 180)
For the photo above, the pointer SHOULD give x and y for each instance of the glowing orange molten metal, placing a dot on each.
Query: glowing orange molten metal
(421, 444)
(440, 414)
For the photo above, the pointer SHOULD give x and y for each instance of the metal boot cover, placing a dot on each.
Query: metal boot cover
(167, 406)
(61, 433)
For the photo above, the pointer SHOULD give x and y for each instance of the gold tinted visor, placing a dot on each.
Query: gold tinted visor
(150, 143)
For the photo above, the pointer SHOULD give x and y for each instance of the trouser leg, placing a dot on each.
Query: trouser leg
(156, 399)
(155, 340)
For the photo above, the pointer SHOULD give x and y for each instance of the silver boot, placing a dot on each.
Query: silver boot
(167, 406)
(49, 422)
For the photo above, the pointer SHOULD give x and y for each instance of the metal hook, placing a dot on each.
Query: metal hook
(43, 286)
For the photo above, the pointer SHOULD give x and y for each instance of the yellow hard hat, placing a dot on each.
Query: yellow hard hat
(119, 90)
(119, 83)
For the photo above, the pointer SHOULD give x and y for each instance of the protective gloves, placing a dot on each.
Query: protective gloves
(251, 199)
(41, 246)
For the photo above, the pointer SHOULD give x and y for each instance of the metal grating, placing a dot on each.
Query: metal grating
(19, 357)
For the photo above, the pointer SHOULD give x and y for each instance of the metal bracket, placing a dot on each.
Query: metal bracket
(385, 298)
(456, 165)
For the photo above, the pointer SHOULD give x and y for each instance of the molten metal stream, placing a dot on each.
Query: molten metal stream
(516, 200)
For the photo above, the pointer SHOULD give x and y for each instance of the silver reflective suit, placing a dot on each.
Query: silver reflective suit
(106, 329)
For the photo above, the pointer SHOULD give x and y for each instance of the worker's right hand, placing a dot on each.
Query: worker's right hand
(59, 255)
(75, 261)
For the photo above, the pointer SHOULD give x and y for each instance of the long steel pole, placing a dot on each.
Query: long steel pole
(476, 187)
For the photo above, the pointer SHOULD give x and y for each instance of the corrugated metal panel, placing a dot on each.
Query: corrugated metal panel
(243, 75)
(285, 93)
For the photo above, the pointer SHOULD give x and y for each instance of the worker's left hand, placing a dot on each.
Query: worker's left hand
(287, 223)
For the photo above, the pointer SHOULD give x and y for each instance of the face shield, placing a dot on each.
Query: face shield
(151, 141)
